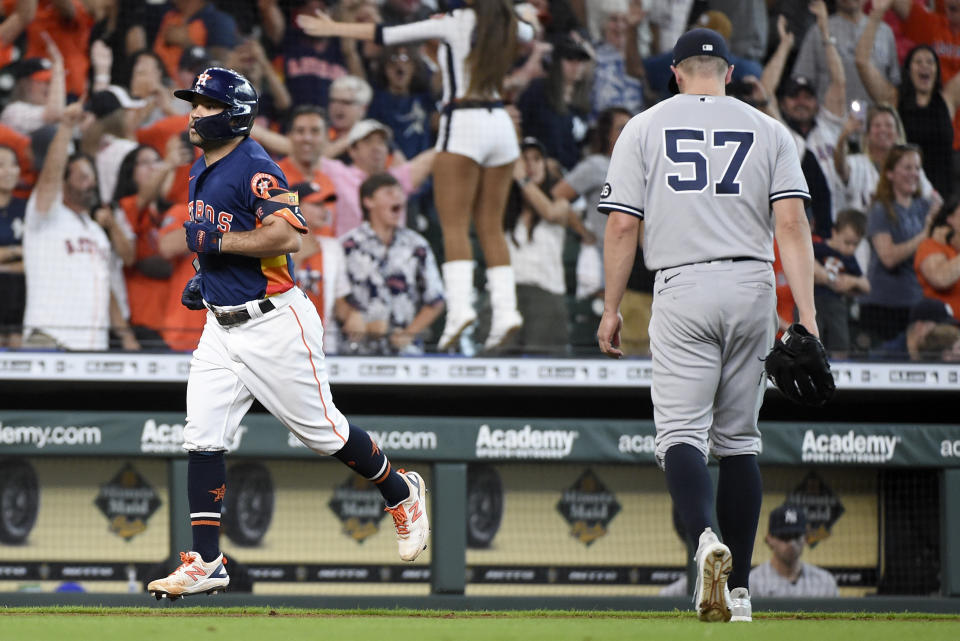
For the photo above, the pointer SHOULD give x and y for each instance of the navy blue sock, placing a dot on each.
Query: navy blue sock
(739, 494)
(206, 485)
(690, 488)
(361, 454)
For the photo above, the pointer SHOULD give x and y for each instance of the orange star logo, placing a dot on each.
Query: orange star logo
(218, 493)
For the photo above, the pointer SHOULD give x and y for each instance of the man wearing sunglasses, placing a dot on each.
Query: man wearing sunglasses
(394, 278)
(785, 575)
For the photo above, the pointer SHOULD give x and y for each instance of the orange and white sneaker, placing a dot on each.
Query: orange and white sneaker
(714, 564)
(410, 518)
(194, 576)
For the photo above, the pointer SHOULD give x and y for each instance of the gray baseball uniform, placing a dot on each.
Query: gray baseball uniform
(812, 582)
(704, 192)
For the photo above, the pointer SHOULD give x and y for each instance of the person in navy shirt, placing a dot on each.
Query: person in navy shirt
(837, 279)
(12, 285)
(408, 109)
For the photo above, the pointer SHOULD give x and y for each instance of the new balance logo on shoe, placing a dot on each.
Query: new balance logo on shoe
(415, 512)
(410, 518)
(195, 572)
(194, 576)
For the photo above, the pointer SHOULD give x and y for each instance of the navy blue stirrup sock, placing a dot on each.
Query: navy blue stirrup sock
(690, 488)
(206, 486)
(739, 494)
(361, 454)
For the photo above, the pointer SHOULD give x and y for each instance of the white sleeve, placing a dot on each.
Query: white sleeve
(787, 179)
(626, 184)
(440, 28)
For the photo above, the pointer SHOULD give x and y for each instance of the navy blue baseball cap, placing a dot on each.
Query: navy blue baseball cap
(932, 310)
(788, 521)
(700, 42)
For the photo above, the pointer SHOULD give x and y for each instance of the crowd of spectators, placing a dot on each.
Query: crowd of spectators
(94, 163)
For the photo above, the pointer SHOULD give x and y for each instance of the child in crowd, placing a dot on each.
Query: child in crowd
(837, 279)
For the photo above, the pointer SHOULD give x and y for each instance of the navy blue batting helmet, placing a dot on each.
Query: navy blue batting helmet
(232, 90)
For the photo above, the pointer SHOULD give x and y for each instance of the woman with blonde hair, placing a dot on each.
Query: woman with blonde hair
(860, 172)
(898, 221)
(477, 146)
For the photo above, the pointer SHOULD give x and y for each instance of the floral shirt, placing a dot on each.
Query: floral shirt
(394, 281)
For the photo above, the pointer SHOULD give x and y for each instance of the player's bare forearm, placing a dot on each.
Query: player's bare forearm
(620, 242)
(275, 238)
(796, 253)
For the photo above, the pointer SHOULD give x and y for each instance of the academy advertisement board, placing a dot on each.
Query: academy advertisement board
(450, 439)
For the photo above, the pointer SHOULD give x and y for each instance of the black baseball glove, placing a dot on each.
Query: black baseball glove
(191, 298)
(798, 366)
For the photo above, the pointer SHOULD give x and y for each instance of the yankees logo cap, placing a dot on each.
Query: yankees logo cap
(700, 42)
(788, 521)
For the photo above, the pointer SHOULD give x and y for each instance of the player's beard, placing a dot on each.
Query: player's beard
(208, 145)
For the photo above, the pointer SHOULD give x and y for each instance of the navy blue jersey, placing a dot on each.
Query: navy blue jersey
(11, 222)
(834, 262)
(233, 193)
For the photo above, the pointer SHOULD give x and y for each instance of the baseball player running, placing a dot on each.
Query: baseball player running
(695, 177)
(262, 337)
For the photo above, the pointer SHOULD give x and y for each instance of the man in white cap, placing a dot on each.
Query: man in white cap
(369, 150)
(112, 135)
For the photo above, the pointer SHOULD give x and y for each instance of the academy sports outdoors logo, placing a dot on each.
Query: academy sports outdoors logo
(848, 448)
(524, 443)
(163, 438)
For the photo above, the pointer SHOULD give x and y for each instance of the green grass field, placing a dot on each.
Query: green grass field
(259, 624)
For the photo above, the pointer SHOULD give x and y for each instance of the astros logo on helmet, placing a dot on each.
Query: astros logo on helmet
(234, 92)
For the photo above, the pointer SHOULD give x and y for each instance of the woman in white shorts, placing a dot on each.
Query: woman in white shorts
(477, 146)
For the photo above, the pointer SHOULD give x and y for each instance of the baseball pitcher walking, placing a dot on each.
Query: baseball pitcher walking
(694, 177)
(262, 339)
